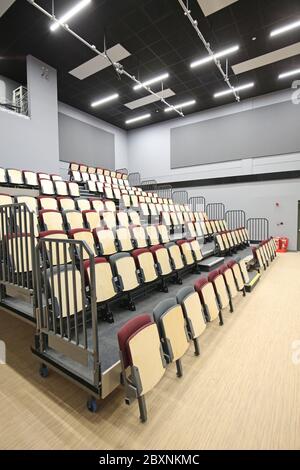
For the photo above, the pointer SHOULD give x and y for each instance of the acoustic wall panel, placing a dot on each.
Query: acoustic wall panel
(261, 132)
(82, 143)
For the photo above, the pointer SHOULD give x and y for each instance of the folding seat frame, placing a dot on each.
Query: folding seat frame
(3, 177)
(237, 274)
(56, 224)
(196, 249)
(218, 281)
(163, 264)
(123, 238)
(134, 217)
(30, 178)
(91, 186)
(110, 206)
(123, 219)
(47, 187)
(146, 266)
(30, 201)
(73, 220)
(176, 260)
(59, 252)
(52, 203)
(139, 241)
(193, 313)
(106, 289)
(85, 176)
(168, 316)
(92, 219)
(61, 188)
(209, 300)
(19, 257)
(163, 234)
(76, 176)
(230, 282)
(109, 219)
(85, 235)
(140, 351)
(187, 253)
(15, 177)
(66, 203)
(127, 276)
(97, 205)
(105, 241)
(73, 189)
(83, 204)
(152, 235)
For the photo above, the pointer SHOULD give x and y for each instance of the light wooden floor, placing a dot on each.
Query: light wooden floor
(242, 393)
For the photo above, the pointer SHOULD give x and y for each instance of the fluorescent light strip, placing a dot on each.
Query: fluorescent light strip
(160, 78)
(289, 74)
(239, 88)
(218, 55)
(285, 29)
(180, 105)
(104, 100)
(67, 16)
(139, 118)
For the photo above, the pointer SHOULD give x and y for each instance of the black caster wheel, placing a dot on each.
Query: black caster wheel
(132, 307)
(44, 371)
(165, 290)
(180, 282)
(92, 405)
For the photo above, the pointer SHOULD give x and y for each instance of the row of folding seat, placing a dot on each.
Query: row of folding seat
(264, 253)
(12, 176)
(83, 168)
(84, 177)
(59, 188)
(227, 241)
(130, 267)
(148, 345)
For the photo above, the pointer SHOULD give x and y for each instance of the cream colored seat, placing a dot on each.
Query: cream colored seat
(138, 236)
(106, 241)
(146, 265)
(142, 359)
(193, 313)
(73, 219)
(124, 240)
(209, 300)
(51, 220)
(171, 325)
(92, 219)
(85, 235)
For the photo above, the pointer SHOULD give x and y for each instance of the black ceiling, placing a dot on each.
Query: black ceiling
(160, 38)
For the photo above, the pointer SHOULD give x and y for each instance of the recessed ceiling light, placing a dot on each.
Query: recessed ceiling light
(286, 28)
(138, 118)
(104, 100)
(159, 78)
(67, 16)
(239, 88)
(254, 38)
(289, 74)
(180, 105)
(218, 55)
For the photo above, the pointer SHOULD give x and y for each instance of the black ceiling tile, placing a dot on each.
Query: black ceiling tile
(159, 37)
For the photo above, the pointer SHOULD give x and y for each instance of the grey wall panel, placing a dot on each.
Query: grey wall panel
(82, 143)
(270, 130)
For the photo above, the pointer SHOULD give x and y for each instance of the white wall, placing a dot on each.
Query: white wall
(32, 142)
(121, 151)
(149, 148)
(259, 200)
(7, 87)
